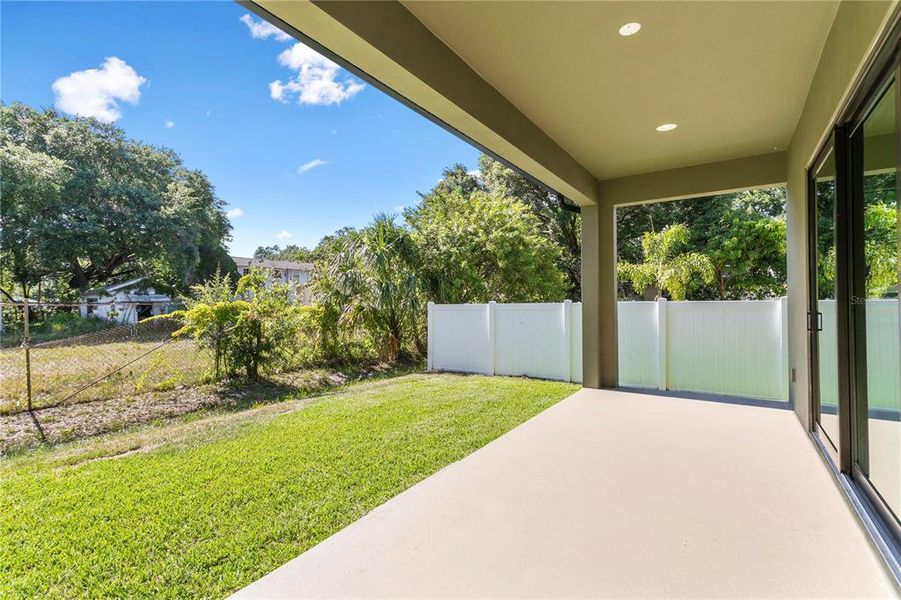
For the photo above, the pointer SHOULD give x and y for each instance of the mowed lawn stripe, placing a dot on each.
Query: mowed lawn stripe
(208, 517)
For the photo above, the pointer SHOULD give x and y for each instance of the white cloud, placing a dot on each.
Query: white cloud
(262, 30)
(318, 80)
(283, 235)
(399, 208)
(234, 213)
(309, 166)
(474, 173)
(97, 92)
(169, 123)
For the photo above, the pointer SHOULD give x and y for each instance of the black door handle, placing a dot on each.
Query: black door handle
(819, 326)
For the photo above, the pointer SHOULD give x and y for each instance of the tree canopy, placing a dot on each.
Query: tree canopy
(560, 227)
(85, 205)
(481, 247)
(742, 235)
(291, 252)
(367, 280)
(666, 266)
(461, 243)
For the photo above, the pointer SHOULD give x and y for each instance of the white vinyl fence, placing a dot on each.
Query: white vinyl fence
(731, 348)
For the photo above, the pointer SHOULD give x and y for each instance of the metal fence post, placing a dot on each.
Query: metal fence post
(26, 343)
(661, 343)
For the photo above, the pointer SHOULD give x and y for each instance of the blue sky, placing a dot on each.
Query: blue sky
(192, 76)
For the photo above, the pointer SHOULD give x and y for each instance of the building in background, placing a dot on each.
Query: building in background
(126, 302)
(296, 274)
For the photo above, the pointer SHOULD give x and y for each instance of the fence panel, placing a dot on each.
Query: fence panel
(731, 348)
(637, 341)
(828, 346)
(459, 338)
(531, 340)
(883, 373)
(713, 347)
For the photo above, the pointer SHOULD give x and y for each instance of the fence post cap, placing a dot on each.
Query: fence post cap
(567, 301)
(492, 302)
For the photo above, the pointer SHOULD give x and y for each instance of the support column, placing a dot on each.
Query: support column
(600, 365)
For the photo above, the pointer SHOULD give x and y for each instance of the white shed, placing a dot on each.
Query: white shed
(126, 302)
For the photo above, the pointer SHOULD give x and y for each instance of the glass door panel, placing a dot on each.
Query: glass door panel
(824, 321)
(880, 459)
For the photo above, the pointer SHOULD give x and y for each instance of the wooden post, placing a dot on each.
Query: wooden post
(26, 343)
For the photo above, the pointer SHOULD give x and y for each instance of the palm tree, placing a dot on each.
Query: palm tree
(665, 267)
(372, 280)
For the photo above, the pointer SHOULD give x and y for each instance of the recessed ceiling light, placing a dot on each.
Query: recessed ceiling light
(629, 29)
(666, 127)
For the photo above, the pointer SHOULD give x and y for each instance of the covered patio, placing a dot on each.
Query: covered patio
(612, 493)
(609, 494)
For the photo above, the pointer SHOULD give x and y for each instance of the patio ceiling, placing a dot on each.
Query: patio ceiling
(732, 75)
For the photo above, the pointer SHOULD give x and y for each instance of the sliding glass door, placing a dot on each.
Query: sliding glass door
(822, 318)
(854, 318)
(876, 244)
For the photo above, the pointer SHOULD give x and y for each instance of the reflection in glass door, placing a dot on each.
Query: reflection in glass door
(854, 315)
(877, 248)
(822, 321)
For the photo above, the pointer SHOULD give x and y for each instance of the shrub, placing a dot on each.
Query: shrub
(255, 329)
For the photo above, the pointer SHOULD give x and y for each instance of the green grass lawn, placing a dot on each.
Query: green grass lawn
(203, 509)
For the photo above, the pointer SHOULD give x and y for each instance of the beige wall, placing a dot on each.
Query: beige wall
(599, 336)
(600, 364)
(692, 182)
(851, 41)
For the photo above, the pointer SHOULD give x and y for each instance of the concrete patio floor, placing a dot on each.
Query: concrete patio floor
(609, 493)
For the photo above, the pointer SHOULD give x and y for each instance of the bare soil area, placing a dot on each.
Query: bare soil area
(69, 422)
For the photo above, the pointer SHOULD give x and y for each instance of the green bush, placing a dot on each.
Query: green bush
(255, 330)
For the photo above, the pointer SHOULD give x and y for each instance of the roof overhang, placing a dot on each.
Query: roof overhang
(383, 43)
(575, 111)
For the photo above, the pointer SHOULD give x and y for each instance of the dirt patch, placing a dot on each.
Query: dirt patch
(74, 421)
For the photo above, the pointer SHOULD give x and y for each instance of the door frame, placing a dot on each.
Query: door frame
(845, 142)
(889, 74)
(814, 317)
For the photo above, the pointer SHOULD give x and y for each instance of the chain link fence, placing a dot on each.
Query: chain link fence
(56, 354)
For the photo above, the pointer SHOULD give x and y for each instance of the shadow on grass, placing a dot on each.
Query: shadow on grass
(51, 426)
(243, 394)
